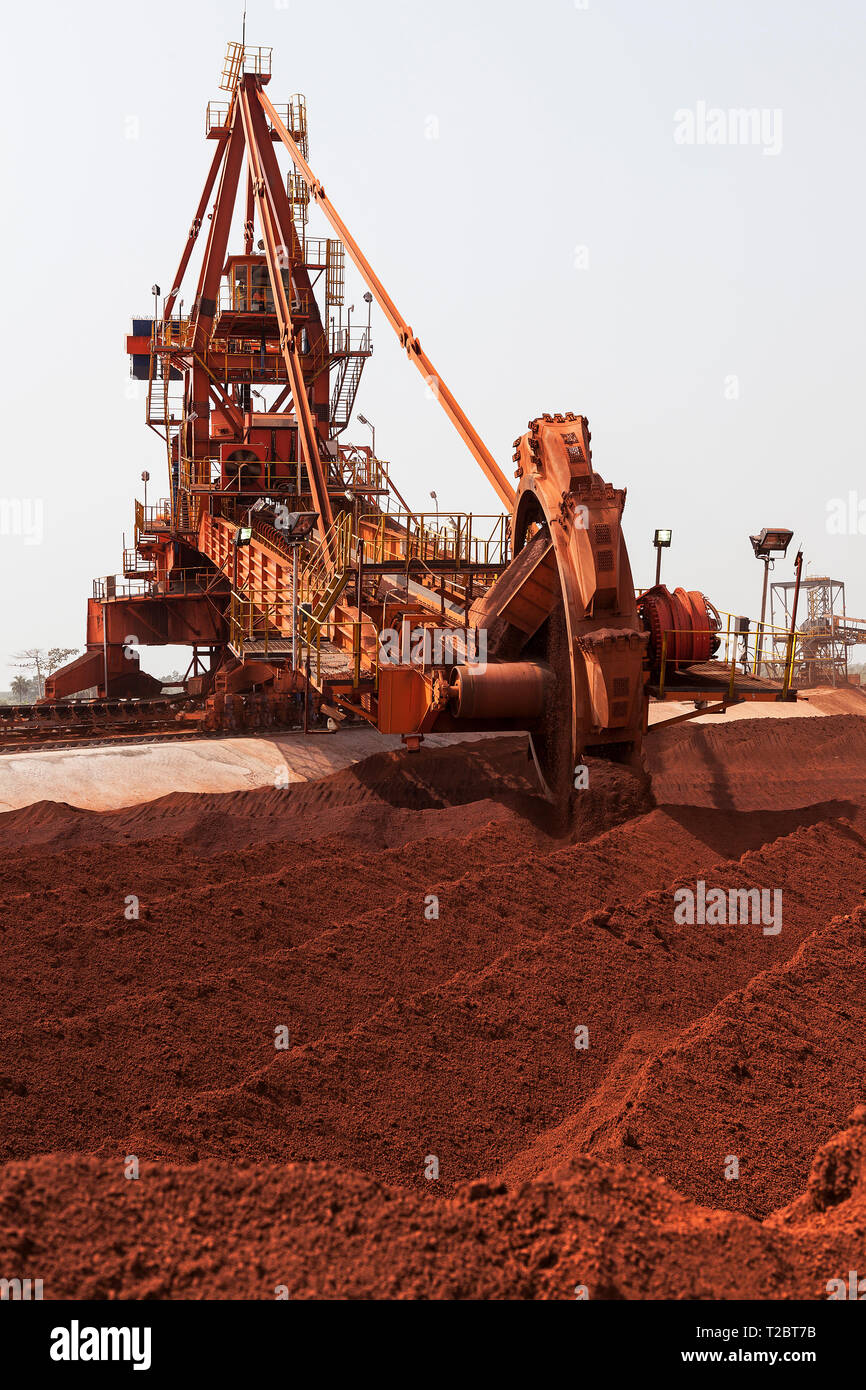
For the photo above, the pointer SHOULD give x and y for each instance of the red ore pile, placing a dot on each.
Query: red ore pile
(392, 1034)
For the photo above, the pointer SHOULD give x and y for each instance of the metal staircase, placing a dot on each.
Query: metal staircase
(345, 390)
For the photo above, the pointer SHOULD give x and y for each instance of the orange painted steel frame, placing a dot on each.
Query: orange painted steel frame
(605, 645)
(245, 127)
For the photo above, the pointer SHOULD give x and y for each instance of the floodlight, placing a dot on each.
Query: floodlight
(771, 541)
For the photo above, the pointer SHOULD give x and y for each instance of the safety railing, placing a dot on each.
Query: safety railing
(152, 518)
(201, 474)
(260, 622)
(282, 110)
(335, 274)
(218, 112)
(317, 353)
(216, 117)
(462, 539)
(843, 629)
(364, 475)
(759, 643)
(239, 345)
(805, 670)
(232, 66)
(243, 58)
(279, 479)
(112, 586)
(262, 613)
(317, 570)
(361, 472)
(739, 652)
(259, 299)
(315, 247)
(350, 342)
(176, 332)
(265, 626)
(297, 122)
(298, 194)
(753, 645)
(188, 580)
(357, 638)
(287, 481)
(137, 566)
(257, 60)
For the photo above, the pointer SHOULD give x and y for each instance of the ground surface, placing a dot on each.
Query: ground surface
(417, 1041)
(112, 775)
(105, 777)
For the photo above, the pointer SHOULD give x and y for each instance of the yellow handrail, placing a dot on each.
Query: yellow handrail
(433, 538)
(314, 573)
(727, 654)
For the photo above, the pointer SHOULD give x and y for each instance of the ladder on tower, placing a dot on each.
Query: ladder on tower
(345, 390)
(232, 65)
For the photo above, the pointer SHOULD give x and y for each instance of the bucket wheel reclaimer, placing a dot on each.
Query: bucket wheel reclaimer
(569, 651)
(565, 646)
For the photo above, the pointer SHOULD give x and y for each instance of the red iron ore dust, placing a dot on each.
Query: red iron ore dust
(340, 1042)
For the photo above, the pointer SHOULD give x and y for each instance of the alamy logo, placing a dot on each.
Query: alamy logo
(22, 516)
(743, 125)
(433, 646)
(77, 1343)
(717, 907)
(21, 1290)
(855, 1288)
(846, 516)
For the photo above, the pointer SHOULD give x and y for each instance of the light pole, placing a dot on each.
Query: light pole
(661, 541)
(362, 420)
(767, 544)
(145, 478)
(792, 635)
(436, 504)
(295, 606)
(297, 528)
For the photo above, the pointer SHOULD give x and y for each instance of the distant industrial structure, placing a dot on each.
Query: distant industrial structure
(825, 633)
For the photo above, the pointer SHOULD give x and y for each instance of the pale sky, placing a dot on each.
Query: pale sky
(521, 179)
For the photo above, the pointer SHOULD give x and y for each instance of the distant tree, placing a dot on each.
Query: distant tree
(42, 662)
(33, 659)
(21, 687)
(58, 656)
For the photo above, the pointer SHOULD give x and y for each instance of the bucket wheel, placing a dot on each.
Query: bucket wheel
(566, 605)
